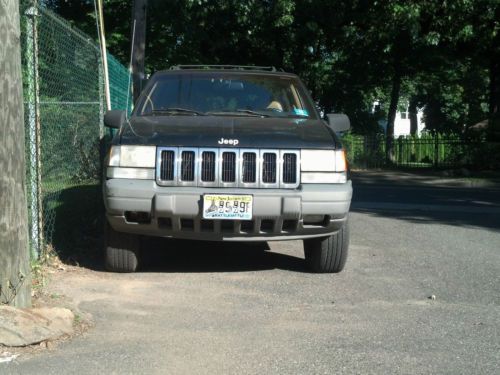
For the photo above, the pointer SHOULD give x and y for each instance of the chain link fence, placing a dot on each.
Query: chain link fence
(64, 109)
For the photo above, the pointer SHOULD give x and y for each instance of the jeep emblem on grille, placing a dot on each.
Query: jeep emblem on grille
(224, 141)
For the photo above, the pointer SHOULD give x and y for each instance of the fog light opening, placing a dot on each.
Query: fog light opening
(137, 217)
(316, 220)
(165, 222)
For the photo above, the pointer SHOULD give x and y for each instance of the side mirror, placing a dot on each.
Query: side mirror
(338, 122)
(114, 118)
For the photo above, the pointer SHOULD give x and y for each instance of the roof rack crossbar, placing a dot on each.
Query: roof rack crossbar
(224, 67)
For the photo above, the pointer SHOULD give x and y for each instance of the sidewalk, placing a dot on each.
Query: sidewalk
(424, 178)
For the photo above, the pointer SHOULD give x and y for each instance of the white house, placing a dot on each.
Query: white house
(402, 121)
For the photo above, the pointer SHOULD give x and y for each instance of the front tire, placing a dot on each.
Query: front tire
(121, 250)
(328, 254)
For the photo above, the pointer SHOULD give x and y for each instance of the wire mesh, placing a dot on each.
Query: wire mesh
(64, 107)
(118, 84)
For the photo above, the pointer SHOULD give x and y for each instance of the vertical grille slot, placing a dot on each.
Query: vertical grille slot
(269, 168)
(167, 165)
(289, 168)
(228, 167)
(187, 165)
(249, 167)
(208, 166)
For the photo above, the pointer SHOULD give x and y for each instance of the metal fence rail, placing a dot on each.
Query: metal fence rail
(64, 108)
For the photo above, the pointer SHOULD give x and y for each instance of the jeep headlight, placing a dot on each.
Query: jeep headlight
(131, 162)
(323, 166)
(132, 156)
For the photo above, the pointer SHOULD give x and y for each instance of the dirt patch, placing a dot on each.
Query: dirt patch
(45, 296)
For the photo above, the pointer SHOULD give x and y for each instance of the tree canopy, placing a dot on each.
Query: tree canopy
(440, 55)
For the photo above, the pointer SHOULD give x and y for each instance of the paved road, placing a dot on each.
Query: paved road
(201, 308)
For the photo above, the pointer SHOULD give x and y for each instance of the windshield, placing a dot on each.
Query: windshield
(224, 95)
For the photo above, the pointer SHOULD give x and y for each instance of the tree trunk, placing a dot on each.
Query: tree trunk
(396, 87)
(15, 280)
(412, 111)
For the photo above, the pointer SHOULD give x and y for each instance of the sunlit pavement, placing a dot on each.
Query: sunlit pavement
(206, 308)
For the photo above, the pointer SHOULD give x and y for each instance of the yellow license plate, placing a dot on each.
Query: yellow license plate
(227, 207)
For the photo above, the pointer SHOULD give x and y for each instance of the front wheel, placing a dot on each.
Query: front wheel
(328, 254)
(121, 250)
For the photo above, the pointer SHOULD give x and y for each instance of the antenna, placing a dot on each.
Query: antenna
(130, 69)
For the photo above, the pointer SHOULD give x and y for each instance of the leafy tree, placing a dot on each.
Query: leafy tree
(434, 54)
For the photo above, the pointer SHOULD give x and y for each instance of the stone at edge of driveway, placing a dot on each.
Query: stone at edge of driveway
(22, 327)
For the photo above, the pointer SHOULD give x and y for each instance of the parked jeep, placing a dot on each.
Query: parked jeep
(227, 153)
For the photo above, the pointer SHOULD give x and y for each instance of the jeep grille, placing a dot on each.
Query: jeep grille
(250, 168)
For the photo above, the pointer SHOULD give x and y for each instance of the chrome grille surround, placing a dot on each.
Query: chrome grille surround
(278, 167)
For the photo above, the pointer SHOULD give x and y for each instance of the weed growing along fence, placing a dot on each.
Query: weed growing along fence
(64, 109)
(425, 151)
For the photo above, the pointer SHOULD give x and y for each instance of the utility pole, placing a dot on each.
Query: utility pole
(15, 279)
(138, 45)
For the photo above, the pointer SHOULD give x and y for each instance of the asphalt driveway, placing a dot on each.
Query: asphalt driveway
(201, 308)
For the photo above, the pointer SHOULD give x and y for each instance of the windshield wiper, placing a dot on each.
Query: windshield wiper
(239, 112)
(250, 112)
(169, 111)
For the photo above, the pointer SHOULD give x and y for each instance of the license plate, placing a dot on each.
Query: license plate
(227, 207)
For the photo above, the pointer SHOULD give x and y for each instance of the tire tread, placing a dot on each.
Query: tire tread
(328, 254)
(121, 251)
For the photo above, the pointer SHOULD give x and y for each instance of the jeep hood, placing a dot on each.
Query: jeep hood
(207, 131)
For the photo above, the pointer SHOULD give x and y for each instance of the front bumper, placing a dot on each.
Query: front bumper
(278, 214)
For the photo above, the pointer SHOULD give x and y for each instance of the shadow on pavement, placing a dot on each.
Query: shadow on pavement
(401, 197)
(78, 235)
(167, 255)
(77, 223)
(425, 177)
(466, 220)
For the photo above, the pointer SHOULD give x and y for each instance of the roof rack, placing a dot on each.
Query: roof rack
(224, 67)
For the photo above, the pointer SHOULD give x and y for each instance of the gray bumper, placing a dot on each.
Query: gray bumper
(176, 211)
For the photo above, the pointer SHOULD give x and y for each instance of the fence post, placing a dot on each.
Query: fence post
(365, 152)
(33, 99)
(436, 150)
(101, 99)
